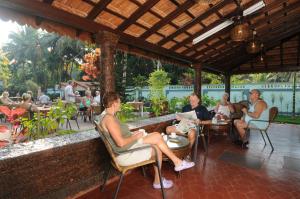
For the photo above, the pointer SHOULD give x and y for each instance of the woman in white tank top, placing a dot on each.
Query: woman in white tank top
(224, 108)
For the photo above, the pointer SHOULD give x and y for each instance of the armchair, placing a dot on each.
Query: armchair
(124, 169)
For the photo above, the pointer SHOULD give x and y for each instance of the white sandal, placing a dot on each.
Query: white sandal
(166, 183)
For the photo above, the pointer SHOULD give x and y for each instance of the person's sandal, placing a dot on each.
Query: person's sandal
(184, 165)
(166, 183)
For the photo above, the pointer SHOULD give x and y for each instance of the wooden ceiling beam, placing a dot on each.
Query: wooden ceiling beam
(186, 5)
(286, 68)
(265, 9)
(271, 43)
(98, 9)
(193, 22)
(48, 1)
(235, 62)
(278, 17)
(281, 54)
(298, 51)
(137, 14)
(190, 39)
(47, 12)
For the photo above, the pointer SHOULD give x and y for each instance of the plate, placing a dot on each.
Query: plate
(174, 140)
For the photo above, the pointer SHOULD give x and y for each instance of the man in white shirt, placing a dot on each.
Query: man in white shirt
(97, 97)
(44, 99)
(69, 94)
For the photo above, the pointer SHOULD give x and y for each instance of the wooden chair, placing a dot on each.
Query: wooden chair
(124, 169)
(273, 111)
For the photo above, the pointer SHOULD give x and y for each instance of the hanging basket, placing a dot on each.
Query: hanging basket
(240, 32)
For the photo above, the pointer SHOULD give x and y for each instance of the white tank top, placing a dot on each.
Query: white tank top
(263, 116)
(224, 109)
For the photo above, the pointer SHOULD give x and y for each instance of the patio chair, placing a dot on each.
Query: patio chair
(124, 169)
(273, 111)
(74, 117)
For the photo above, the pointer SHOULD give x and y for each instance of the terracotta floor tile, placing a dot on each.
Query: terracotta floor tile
(213, 178)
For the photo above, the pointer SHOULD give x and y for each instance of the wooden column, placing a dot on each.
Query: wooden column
(227, 84)
(197, 82)
(108, 42)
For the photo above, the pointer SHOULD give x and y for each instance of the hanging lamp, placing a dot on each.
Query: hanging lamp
(241, 31)
(254, 45)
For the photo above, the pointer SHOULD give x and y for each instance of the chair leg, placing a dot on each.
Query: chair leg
(196, 145)
(144, 172)
(204, 142)
(69, 124)
(77, 123)
(160, 179)
(269, 141)
(119, 185)
(106, 175)
(263, 137)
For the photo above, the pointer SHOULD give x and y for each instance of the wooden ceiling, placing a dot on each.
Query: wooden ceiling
(167, 28)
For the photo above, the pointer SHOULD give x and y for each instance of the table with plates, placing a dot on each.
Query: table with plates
(220, 127)
(179, 145)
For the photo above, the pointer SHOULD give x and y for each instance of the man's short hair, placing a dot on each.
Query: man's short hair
(194, 94)
(255, 91)
(70, 82)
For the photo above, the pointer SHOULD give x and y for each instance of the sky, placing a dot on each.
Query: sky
(6, 28)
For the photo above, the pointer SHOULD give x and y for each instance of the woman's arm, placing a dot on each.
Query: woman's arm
(113, 127)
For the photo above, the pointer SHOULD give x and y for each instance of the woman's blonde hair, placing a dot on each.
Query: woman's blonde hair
(88, 92)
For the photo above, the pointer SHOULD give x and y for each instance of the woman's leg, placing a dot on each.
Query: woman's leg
(156, 139)
(159, 155)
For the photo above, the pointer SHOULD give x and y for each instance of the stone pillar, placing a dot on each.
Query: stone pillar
(197, 82)
(227, 84)
(108, 42)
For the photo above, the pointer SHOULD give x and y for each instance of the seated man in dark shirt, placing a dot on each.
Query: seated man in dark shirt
(202, 115)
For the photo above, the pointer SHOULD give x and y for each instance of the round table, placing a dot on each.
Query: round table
(220, 127)
(179, 146)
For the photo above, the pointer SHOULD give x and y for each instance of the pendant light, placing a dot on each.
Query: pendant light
(254, 45)
(241, 31)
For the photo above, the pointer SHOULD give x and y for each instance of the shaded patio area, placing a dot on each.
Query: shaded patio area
(252, 173)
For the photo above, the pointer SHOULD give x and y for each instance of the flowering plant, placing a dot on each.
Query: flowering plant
(90, 66)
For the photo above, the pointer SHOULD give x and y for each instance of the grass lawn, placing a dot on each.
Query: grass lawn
(287, 119)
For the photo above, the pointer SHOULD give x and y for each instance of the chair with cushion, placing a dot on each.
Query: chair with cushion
(263, 125)
(124, 169)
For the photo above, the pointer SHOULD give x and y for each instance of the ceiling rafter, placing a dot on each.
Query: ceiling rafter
(190, 39)
(186, 5)
(275, 16)
(137, 14)
(98, 9)
(271, 43)
(193, 22)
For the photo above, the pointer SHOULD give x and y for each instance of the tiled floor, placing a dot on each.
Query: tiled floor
(215, 178)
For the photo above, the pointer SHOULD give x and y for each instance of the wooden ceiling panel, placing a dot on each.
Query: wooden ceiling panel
(135, 30)
(180, 50)
(201, 47)
(211, 19)
(211, 42)
(276, 9)
(124, 7)
(181, 1)
(164, 7)
(167, 30)
(190, 53)
(181, 37)
(194, 29)
(227, 9)
(109, 20)
(148, 20)
(198, 9)
(169, 44)
(154, 38)
(76, 7)
(182, 19)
